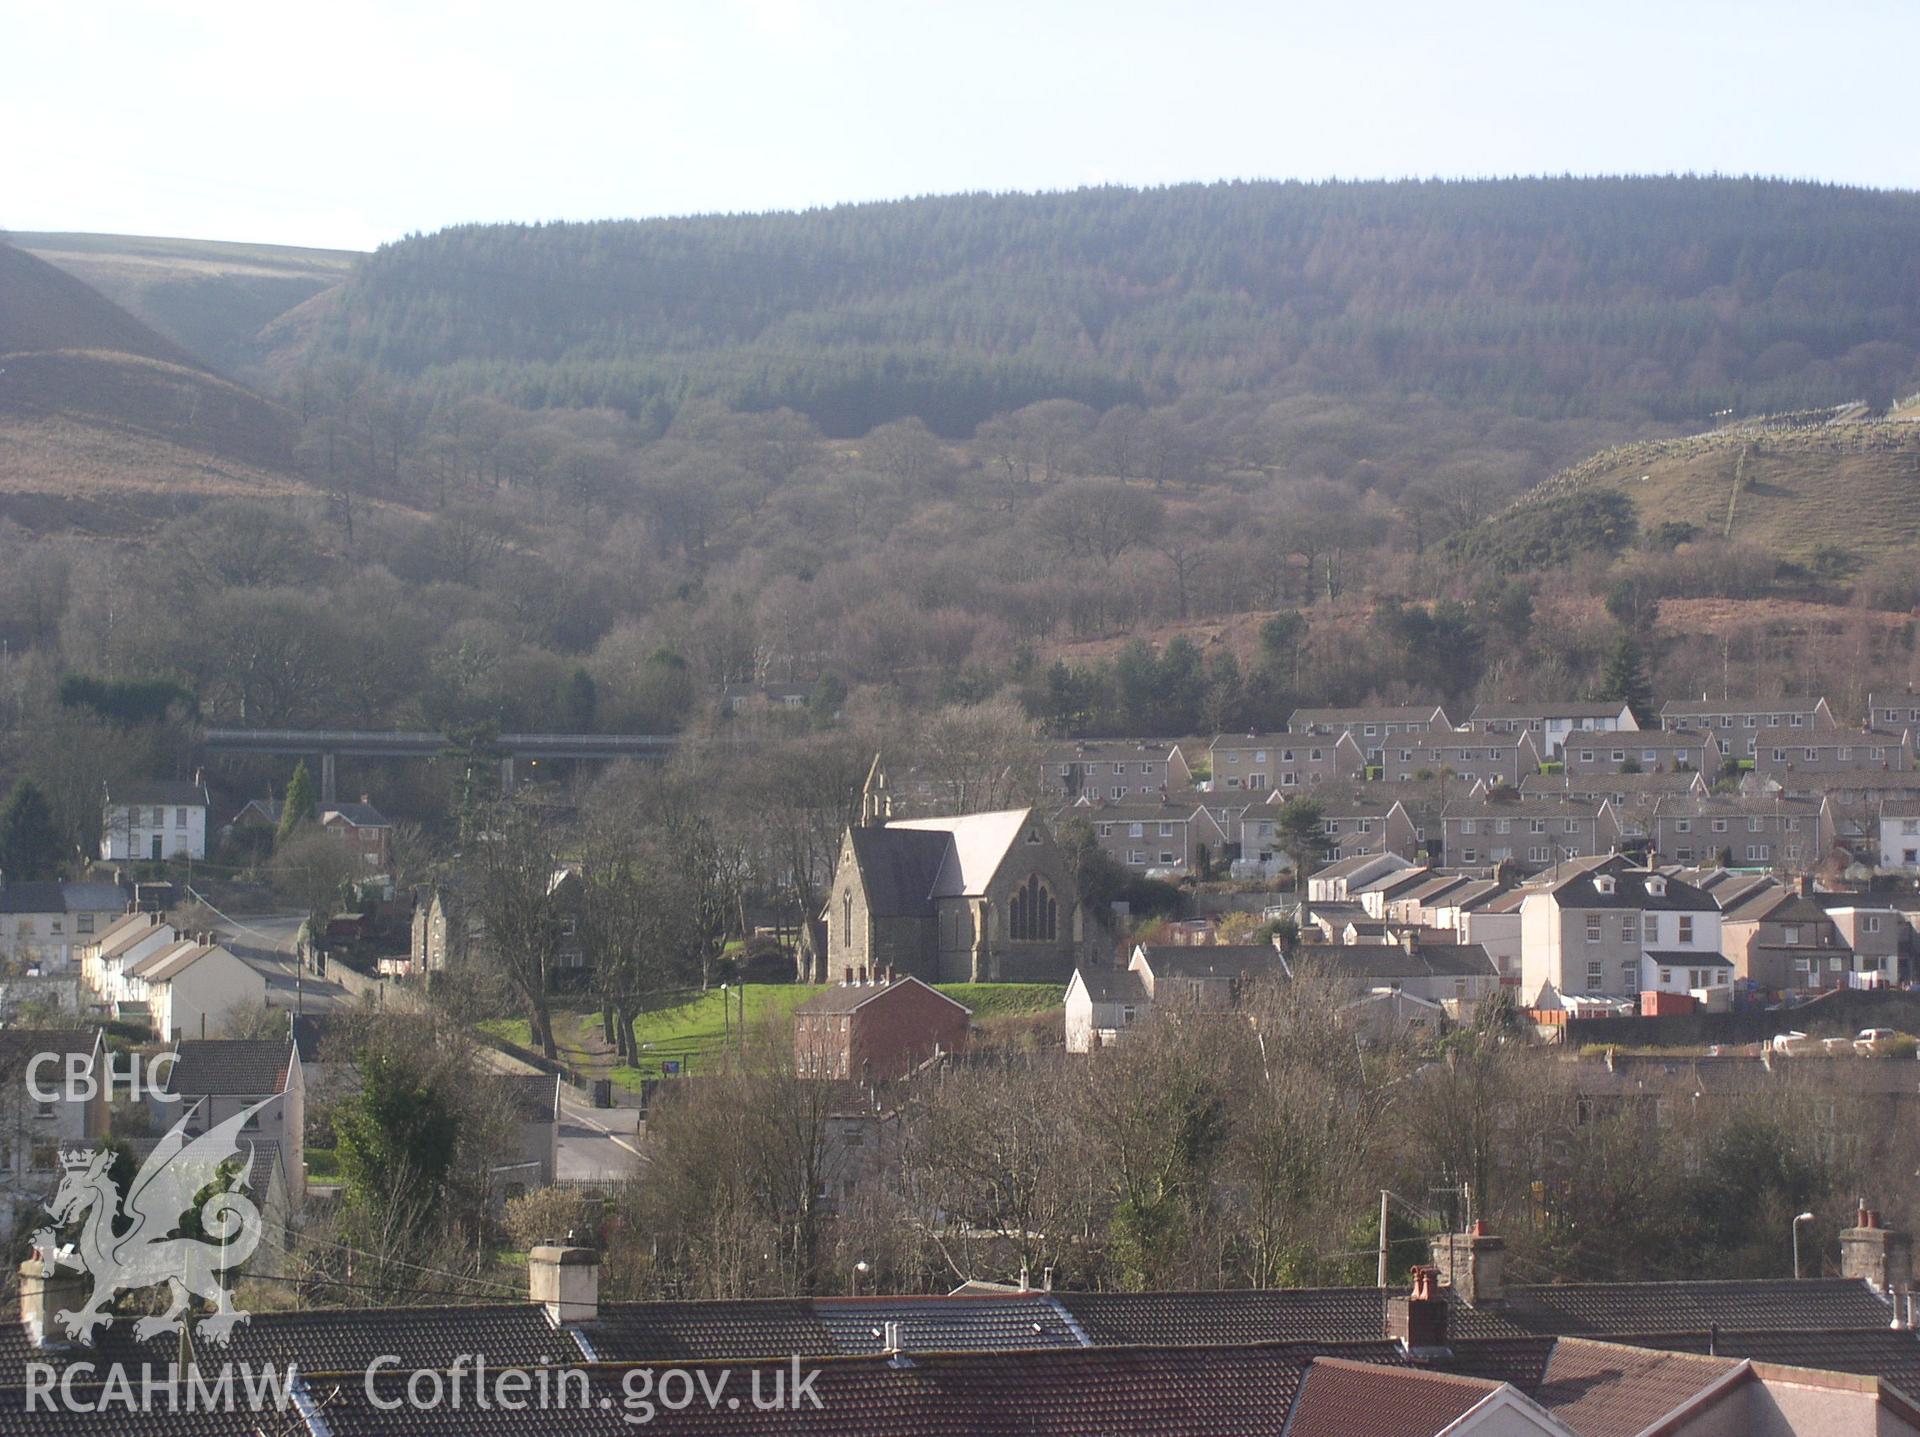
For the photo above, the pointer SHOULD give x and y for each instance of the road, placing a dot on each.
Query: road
(267, 941)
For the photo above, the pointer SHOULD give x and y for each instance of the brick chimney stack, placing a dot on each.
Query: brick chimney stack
(1473, 1264)
(45, 1289)
(566, 1281)
(1882, 1256)
(1418, 1321)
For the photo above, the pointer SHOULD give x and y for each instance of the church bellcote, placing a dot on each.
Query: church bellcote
(876, 801)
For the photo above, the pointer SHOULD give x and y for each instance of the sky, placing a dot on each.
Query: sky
(354, 122)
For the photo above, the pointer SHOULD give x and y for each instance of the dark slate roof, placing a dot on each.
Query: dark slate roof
(231, 1067)
(1113, 985)
(1327, 1314)
(535, 1097)
(946, 1324)
(49, 896)
(899, 867)
(671, 1331)
(1607, 1309)
(360, 815)
(1688, 958)
(158, 790)
(322, 1340)
(1340, 1397)
(1578, 889)
(1878, 1351)
(1216, 960)
(1377, 962)
(19, 1046)
(1153, 1392)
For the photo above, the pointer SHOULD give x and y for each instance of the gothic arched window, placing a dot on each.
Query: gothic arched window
(1035, 914)
(846, 913)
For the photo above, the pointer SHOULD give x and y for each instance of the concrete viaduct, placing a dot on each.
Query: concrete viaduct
(328, 745)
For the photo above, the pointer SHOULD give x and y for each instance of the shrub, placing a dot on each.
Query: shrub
(549, 1214)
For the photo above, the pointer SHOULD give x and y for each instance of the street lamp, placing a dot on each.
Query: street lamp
(1804, 1217)
(860, 1270)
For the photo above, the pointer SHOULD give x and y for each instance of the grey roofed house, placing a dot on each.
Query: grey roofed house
(1572, 885)
(1376, 964)
(54, 896)
(1210, 961)
(360, 815)
(1113, 985)
(174, 792)
(231, 1067)
(1305, 721)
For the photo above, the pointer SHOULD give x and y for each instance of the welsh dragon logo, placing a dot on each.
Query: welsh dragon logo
(150, 1250)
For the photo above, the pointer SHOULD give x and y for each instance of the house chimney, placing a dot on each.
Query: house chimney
(1418, 1321)
(566, 1281)
(45, 1289)
(1409, 940)
(1473, 1264)
(1880, 1256)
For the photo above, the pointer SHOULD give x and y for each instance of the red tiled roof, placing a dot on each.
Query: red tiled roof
(1340, 1398)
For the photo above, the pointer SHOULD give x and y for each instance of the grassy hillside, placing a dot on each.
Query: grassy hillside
(1797, 491)
(1649, 298)
(209, 297)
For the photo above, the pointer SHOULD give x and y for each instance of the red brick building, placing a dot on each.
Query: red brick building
(876, 1027)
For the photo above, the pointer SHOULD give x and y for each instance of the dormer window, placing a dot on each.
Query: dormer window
(1605, 884)
(1657, 886)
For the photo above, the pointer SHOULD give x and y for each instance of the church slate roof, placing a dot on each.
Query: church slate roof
(898, 867)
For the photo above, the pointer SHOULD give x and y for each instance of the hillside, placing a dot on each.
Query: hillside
(1638, 301)
(211, 298)
(1795, 490)
(43, 307)
(103, 421)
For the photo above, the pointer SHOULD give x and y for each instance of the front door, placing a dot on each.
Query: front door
(156, 848)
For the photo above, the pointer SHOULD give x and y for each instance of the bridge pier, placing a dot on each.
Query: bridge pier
(506, 774)
(327, 781)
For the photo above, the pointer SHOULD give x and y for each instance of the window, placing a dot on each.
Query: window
(1034, 915)
(1572, 825)
(1719, 825)
(1469, 855)
(1629, 974)
(1166, 855)
(1756, 824)
(1683, 825)
(1683, 855)
(1627, 927)
(846, 914)
(1686, 928)
(83, 923)
(1666, 977)
(1106, 830)
(1136, 856)
(1649, 928)
(179, 818)
(1758, 852)
(1593, 928)
(1166, 830)
(1536, 825)
(1595, 982)
(1136, 830)
(1119, 768)
(1503, 825)
(1260, 755)
(1790, 935)
(1870, 923)
(1147, 769)
(1466, 828)
(1586, 755)
(1119, 791)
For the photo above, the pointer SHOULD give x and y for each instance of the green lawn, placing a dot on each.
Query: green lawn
(693, 1032)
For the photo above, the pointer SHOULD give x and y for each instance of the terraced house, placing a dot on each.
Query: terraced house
(1162, 835)
(1602, 928)
(1114, 768)
(1371, 727)
(1742, 726)
(1488, 758)
(1553, 725)
(1528, 833)
(1741, 832)
(1283, 760)
(1648, 750)
(1801, 763)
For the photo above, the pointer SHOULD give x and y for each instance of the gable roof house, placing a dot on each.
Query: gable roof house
(1490, 758)
(1161, 835)
(1529, 833)
(363, 830)
(1779, 938)
(155, 819)
(1804, 762)
(214, 1079)
(1370, 724)
(190, 986)
(1453, 975)
(1652, 750)
(1552, 725)
(1741, 725)
(1601, 928)
(875, 1026)
(1114, 768)
(980, 897)
(1103, 1005)
(1741, 832)
(1284, 761)
(44, 924)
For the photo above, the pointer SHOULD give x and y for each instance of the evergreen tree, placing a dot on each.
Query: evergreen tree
(29, 844)
(1625, 677)
(300, 804)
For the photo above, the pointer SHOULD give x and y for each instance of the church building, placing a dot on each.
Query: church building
(981, 897)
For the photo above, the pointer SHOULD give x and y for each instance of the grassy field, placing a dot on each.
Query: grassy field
(1799, 491)
(694, 1032)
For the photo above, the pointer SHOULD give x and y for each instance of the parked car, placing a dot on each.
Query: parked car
(1875, 1040)
(1794, 1042)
